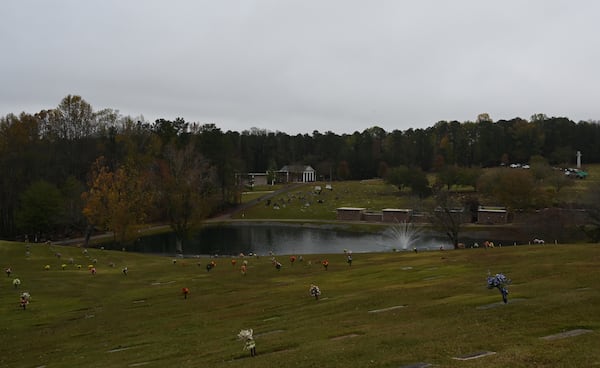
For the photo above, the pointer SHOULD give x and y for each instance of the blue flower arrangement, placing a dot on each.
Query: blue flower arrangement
(499, 281)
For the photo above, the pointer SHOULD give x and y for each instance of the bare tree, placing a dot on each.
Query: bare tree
(448, 216)
(185, 189)
(72, 119)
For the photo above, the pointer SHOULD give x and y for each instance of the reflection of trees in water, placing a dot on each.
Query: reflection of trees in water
(263, 238)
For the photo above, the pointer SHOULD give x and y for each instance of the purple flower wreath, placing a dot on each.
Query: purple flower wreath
(499, 281)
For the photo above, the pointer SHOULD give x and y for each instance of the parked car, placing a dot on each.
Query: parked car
(576, 173)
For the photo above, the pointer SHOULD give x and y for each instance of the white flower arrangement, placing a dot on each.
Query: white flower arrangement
(249, 344)
(245, 334)
(314, 291)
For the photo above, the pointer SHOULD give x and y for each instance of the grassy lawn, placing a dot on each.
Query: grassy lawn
(305, 203)
(387, 310)
(374, 195)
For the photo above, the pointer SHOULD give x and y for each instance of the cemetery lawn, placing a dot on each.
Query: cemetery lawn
(386, 310)
(303, 202)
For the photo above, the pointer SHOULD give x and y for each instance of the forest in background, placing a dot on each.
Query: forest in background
(71, 169)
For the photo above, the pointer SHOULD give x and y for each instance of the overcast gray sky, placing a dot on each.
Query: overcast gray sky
(299, 66)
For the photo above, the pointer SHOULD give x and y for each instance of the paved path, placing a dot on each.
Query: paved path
(242, 207)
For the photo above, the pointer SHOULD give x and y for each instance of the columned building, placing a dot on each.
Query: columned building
(296, 174)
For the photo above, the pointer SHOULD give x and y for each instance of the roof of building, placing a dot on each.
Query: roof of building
(296, 168)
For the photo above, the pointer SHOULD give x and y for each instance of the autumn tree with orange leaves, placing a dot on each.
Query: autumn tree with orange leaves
(117, 201)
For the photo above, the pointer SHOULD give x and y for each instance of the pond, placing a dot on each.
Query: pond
(263, 239)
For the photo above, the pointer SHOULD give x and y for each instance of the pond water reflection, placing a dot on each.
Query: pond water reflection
(280, 239)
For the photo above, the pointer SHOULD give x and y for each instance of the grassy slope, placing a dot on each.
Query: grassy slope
(374, 195)
(112, 320)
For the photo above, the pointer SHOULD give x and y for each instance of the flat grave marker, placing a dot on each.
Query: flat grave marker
(566, 334)
(476, 355)
(386, 309)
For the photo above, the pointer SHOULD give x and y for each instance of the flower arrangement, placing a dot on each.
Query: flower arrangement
(211, 265)
(499, 281)
(248, 339)
(314, 291)
(25, 297)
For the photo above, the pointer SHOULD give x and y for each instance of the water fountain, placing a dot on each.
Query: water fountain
(408, 236)
(404, 235)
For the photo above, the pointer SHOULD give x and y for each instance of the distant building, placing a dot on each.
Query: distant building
(250, 180)
(457, 214)
(371, 216)
(257, 178)
(492, 215)
(396, 215)
(350, 213)
(296, 174)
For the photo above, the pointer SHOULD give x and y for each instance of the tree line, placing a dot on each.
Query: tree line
(69, 170)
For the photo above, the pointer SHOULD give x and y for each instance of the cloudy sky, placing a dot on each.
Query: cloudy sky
(300, 66)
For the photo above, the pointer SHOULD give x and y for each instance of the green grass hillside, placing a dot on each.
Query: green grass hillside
(304, 202)
(386, 310)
